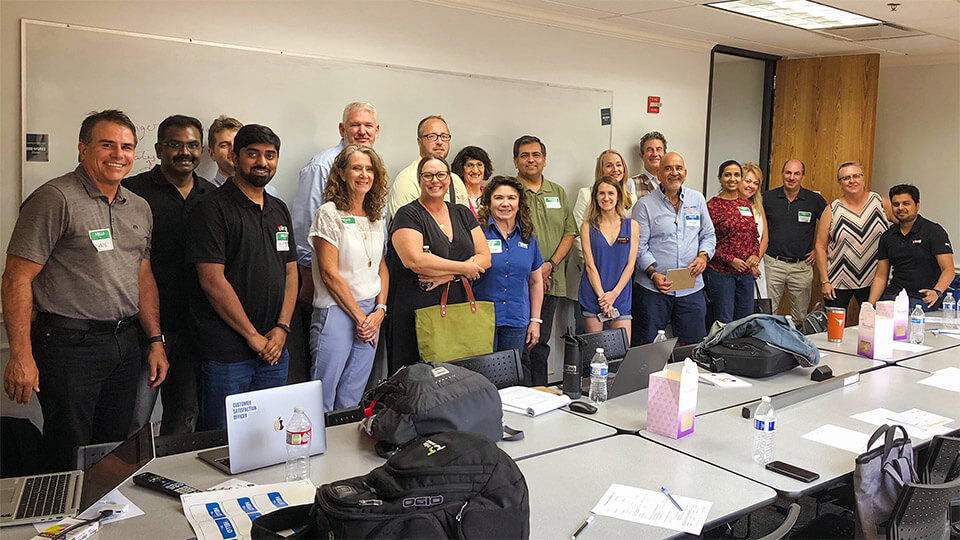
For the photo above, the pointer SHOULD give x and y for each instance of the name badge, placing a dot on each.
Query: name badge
(101, 239)
(804, 217)
(495, 246)
(623, 240)
(524, 245)
(349, 222)
(552, 202)
(918, 241)
(692, 220)
(283, 238)
(744, 211)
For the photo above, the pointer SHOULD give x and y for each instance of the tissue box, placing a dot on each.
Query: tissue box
(672, 401)
(901, 316)
(875, 338)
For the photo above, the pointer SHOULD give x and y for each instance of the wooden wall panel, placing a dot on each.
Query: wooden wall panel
(824, 113)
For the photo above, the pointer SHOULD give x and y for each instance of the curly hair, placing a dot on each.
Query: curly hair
(593, 210)
(523, 211)
(472, 152)
(598, 174)
(337, 190)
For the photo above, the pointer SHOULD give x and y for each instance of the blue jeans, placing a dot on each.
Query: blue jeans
(222, 379)
(509, 337)
(731, 295)
(687, 314)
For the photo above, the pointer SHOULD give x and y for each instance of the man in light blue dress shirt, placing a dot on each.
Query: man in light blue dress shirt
(675, 232)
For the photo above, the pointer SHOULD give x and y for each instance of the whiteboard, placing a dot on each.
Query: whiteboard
(69, 71)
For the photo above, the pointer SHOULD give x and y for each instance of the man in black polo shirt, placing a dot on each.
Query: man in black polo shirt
(792, 214)
(919, 251)
(172, 189)
(241, 241)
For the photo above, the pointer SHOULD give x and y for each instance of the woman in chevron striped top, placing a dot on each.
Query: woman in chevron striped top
(848, 235)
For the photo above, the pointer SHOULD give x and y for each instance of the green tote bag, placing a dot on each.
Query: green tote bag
(448, 332)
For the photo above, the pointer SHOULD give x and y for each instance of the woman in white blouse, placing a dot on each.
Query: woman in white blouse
(750, 190)
(349, 275)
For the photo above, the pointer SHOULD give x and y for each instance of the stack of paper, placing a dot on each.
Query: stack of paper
(523, 400)
(947, 378)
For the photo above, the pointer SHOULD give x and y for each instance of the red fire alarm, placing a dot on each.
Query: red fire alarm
(653, 104)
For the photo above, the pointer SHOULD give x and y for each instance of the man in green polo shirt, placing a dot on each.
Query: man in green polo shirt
(555, 229)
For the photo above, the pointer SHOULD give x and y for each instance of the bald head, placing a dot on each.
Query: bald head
(792, 174)
(672, 173)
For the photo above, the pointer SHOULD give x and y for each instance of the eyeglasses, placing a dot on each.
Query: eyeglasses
(445, 137)
(429, 176)
(177, 145)
(851, 177)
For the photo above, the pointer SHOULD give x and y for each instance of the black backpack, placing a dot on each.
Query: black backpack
(450, 485)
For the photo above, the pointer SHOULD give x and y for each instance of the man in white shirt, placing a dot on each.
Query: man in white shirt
(433, 137)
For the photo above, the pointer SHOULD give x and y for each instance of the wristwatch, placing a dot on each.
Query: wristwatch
(553, 266)
(381, 306)
(157, 339)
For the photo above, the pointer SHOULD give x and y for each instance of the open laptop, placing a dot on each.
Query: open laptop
(52, 497)
(637, 365)
(257, 425)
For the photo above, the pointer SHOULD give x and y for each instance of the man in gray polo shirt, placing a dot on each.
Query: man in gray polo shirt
(79, 256)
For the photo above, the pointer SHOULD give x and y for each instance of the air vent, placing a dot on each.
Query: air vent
(871, 32)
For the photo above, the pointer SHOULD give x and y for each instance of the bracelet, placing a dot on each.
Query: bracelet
(536, 320)
(824, 282)
(283, 327)
(939, 294)
(381, 306)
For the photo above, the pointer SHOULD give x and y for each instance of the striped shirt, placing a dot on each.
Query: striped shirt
(854, 239)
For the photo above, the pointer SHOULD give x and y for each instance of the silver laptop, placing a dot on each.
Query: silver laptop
(257, 425)
(638, 364)
(52, 497)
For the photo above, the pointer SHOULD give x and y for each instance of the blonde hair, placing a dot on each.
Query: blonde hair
(756, 200)
(598, 174)
(593, 209)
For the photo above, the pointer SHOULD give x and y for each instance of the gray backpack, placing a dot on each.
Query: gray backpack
(878, 478)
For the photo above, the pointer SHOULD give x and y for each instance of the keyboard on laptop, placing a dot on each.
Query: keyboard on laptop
(43, 496)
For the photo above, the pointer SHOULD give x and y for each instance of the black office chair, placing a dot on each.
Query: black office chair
(943, 461)
(502, 368)
(793, 512)
(20, 447)
(613, 341)
(164, 445)
(923, 511)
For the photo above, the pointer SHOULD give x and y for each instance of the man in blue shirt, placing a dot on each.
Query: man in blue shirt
(675, 232)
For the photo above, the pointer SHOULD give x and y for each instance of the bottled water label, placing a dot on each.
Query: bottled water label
(297, 438)
(916, 320)
(764, 425)
(598, 370)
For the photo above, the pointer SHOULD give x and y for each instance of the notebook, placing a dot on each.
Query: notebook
(256, 426)
(53, 497)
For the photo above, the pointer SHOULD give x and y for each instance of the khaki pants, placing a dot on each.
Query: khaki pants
(796, 277)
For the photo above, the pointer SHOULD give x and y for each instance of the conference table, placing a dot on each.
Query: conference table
(628, 413)
(935, 361)
(724, 438)
(931, 342)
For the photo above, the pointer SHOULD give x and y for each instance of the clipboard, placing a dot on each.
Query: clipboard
(681, 279)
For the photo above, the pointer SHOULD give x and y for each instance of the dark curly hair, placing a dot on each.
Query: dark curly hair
(337, 191)
(523, 211)
(472, 152)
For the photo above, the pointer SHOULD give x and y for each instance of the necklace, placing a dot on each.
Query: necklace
(366, 249)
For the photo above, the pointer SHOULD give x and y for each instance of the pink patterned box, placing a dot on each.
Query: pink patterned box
(672, 401)
(901, 316)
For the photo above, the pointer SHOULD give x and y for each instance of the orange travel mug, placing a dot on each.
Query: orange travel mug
(836, 319)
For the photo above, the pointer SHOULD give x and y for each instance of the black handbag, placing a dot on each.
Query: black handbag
(816, 321)
(761, 304)
(746, 357)
(451, 485)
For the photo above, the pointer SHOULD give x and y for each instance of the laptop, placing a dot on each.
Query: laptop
(256, 426)
(637, 365)
(53, 497)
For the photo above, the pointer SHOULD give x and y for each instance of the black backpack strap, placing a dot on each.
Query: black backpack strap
(306, 520)
(510, 434)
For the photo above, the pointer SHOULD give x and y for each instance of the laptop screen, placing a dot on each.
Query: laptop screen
(114, 468)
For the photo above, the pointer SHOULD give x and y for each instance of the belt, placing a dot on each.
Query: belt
(99, 327)
(788, 259)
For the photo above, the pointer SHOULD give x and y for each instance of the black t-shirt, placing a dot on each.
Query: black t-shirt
(170, 214)
(913, 257)
(254, 245)
(791, 225)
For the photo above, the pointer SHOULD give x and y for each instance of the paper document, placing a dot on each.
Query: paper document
(842, 438)
(653, 508)
(523, 400)
(215, 515)
(114, 497)
(910, 347)
(723, 380)
(681, 279)
(947, 378)
(919, 424)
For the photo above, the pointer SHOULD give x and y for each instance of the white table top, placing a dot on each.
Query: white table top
(349, 453)
(565, 485)
(724, 438)
(934, 361)
(629, 412)
(850, 339)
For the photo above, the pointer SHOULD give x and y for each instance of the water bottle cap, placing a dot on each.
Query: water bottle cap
(599, 349)
(661, 331)
(765, 399)
(298, 408)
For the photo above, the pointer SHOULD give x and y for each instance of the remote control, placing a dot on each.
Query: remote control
(163, 484)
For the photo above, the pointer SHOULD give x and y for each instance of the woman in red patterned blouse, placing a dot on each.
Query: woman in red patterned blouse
(729, 275)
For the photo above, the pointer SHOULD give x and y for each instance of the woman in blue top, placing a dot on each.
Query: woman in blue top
(513, 282)
(609, 243)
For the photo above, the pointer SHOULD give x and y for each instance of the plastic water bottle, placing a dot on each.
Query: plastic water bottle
(917, 319)
(764, 429)
(299, 435)
(661, 336)
(598, 377)
(790, 322)
(949, 311)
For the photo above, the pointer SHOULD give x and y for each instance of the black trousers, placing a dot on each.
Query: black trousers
(87, 388)
(534, 360)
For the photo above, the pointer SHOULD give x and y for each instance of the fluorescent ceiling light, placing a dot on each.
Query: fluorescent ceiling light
(799, 13)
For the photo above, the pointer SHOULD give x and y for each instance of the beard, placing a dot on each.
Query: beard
(255, 180)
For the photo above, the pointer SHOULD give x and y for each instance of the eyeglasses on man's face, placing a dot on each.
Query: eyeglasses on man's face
(445, 137)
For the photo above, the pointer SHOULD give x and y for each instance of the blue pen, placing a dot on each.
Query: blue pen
(674, 501)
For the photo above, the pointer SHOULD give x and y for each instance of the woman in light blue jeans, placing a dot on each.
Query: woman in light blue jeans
(349, 275)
